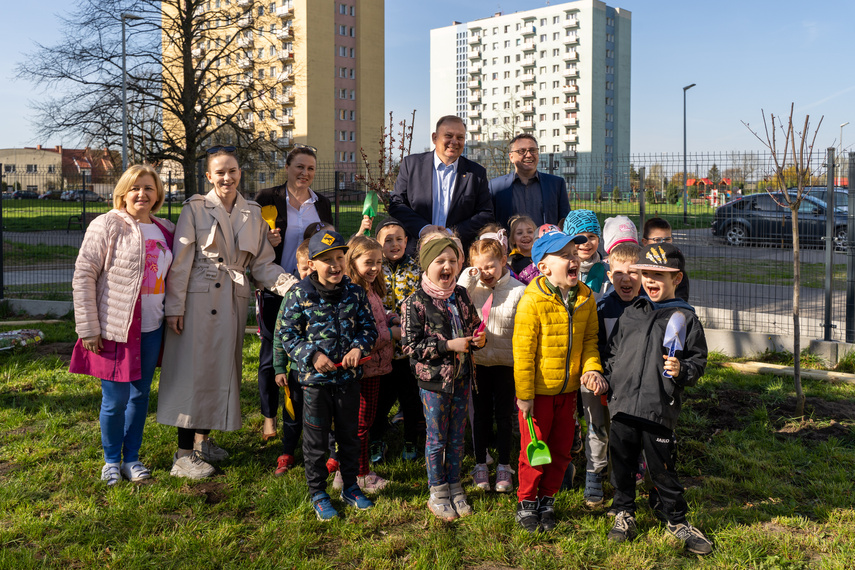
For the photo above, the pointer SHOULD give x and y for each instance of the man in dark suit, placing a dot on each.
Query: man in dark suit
(540, 196)
(442, 188)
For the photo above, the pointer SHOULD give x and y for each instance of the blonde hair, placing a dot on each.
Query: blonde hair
(302, 250)
(517, 221)
(486, 246)
(127, 181)
(357, 247)
(625, 251)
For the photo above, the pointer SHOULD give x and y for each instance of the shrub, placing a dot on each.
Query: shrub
(672, 193)
(598, 194)
(616, 197)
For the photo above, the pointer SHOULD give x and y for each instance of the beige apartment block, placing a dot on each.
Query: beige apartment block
(33, 169)
(299, 72)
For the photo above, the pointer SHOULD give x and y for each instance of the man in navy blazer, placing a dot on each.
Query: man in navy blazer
(541, 196)
(442, 188)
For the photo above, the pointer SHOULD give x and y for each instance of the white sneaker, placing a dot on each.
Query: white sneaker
(504, 478)
(371, 483)
(481, 477)
(135, 471)
(191, 466)
(110, 474)
(210, 451)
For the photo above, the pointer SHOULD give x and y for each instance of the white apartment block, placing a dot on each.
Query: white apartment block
(560, 73)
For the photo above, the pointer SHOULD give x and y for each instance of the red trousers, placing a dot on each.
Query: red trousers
(369, 390)
(554, 423)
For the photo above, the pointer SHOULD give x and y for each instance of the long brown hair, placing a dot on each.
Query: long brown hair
(357, 247)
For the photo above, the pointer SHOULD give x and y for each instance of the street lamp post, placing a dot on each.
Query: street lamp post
(840, 154)
(685, 167)
(125, 16)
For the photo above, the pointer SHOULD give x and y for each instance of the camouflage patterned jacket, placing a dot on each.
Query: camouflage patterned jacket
(426, 332)
(402, 280)
(307, 324)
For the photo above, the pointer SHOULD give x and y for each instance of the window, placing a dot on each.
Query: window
(342, 9)
(342, 30)
(352, 52)
(542, 117)
(353, 95)
(352, 136)
(342, 135)
(556, 19)
(353, 115)
(51, 169)
(261, 10)
(556, 132)
(507, 43)
(556, 36)
(352, 33)
(32, 168)
(507, 75)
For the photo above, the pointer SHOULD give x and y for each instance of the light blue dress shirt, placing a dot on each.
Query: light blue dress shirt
(443, 187)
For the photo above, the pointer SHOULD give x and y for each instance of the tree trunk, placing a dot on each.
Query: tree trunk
(797, 376)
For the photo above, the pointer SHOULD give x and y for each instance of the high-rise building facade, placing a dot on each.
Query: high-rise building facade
(308, 72)
(560, 73)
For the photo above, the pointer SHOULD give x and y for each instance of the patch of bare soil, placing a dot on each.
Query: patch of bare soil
(213, 491)
(7, 467)
(61, 350)
(730, 410)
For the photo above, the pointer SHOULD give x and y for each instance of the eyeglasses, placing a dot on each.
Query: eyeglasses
(301, 145)
(216, 149)
(660, 240)
(524, 151)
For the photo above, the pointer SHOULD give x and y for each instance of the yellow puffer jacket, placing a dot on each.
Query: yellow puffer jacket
(546, 362)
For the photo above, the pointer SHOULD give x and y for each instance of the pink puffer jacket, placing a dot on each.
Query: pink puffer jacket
(108, 275)
(381, 357)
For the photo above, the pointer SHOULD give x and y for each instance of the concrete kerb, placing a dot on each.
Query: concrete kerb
(39, 307)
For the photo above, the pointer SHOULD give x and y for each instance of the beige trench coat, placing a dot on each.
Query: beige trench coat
(207, 284)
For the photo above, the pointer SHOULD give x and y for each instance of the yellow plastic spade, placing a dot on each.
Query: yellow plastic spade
(268, 214)
(537, 451)
(289, 406)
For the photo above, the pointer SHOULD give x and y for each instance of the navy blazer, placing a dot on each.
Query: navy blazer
(411, 202)
(553, 190)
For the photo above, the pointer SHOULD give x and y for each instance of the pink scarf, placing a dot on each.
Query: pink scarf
(435, 290)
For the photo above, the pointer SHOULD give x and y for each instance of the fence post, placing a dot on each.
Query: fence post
(335, 188)
(83, 215)
(2, 266)
(641, 197)
(829, 244)
(850, 254)
(169, 195)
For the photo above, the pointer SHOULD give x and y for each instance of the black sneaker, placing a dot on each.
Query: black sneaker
(696, 542)
(624, 529)
(545, 508)
(527, 516)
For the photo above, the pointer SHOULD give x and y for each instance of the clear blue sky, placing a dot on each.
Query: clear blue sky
(744, 56)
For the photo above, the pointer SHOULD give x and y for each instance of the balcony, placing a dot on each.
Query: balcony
(245, 122)
(527, 31)
(571, 106)
(526, 124)
(245, 82)
(527, 93)
(245, 41)
(572, 23)
(475, 54)
(197, 52)
(570, 122)
(284, 141)
(571, 73)
(474, 84)
(529, 62)
(570, 89)
(285, 77)
(285, 121)
(244, 3)
(283, 55)
(568, 170)
(245, 21)
(286, 11)
(476, 128)
(245, 62)
(572, 56)
(528, 46)
(476, 112)
(569, 154)
(475, 68)
(284, 33)
(474, 40)
(528, 78)
(571, 40)
(527, 108)
(572, 139)
(286, 99)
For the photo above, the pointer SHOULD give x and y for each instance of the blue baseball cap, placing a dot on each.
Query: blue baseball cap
(552, 242)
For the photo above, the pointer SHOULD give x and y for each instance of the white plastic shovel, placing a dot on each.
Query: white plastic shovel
(675, 336)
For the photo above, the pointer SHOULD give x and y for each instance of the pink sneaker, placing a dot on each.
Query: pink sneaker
(371, 483)
(481, 477)
(337, 482)
(504, 479)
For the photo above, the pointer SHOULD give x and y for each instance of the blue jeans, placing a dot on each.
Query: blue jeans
(124, 405)
(445, 416)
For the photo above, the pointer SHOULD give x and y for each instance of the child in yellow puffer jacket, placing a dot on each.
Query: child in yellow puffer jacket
(555, 349)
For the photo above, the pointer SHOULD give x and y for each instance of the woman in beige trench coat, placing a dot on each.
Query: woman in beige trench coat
(218, 237)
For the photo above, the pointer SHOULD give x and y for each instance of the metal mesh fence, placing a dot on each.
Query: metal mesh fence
(737, 240)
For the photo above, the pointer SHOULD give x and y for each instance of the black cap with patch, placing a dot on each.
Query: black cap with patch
(660, 257)
(324, 241)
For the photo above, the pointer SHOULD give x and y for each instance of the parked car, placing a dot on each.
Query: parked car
(25, 195)
(51, 195)
(90, 196)
(841, 196)
(764, 218)
(174, 197)
(68, 195)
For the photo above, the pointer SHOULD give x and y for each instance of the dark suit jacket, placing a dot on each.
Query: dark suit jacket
(411, 202)
(278, 196)
(553, 190)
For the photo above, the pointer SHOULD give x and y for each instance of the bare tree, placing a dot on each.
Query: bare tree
(191, 79)
(794, 155)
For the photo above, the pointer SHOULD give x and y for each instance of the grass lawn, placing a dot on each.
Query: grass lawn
(771, 491)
